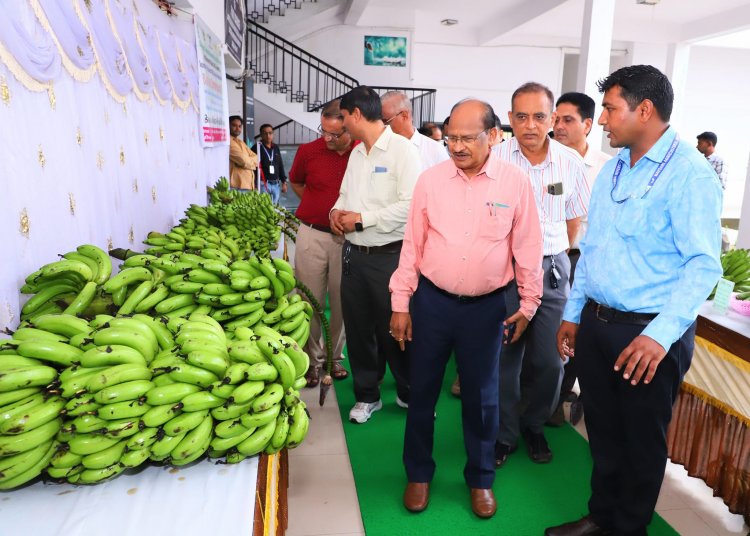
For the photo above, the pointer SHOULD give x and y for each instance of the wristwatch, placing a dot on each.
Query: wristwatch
(358, 226)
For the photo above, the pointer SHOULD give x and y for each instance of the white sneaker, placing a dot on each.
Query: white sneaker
(362, 411)
(400, 403)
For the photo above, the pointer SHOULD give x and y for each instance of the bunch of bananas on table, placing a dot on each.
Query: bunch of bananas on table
(86, 400)
(735, 264)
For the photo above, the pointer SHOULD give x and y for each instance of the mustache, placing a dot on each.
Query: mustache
(459, 153)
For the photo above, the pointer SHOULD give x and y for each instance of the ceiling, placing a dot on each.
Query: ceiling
(498, 22)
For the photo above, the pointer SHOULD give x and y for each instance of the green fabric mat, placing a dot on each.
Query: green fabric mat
(530, 497)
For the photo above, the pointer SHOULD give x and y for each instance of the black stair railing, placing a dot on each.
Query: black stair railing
(422, 102)
(290, 70)
(292, 133)
(260, 10)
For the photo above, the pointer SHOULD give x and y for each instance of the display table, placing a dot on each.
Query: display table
(709, 430)
(247, 498)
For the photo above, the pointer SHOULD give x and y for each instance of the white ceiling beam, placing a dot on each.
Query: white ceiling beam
(354, 11)
(721, 23)
(513, 17)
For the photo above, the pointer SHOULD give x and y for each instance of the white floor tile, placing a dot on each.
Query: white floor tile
(687, 523)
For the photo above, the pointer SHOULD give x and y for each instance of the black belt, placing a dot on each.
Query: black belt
(607, 314)
(393, 247)
(457, 297)
(321, 228)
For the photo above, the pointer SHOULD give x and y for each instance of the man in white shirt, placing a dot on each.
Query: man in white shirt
(706, 146)
(396, 110)
(573, 120)
(562, 196)
(371, 212)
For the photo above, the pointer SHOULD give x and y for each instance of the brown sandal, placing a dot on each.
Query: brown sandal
(312, 377)
(338, 371)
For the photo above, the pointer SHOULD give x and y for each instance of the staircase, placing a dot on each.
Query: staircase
(286, 76)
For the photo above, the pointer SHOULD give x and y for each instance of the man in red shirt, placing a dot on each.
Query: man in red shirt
(316, 176)
(472, 228)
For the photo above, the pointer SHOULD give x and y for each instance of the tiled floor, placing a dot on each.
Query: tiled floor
(323, 499)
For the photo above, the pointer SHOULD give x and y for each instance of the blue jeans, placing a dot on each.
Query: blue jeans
(273, 189)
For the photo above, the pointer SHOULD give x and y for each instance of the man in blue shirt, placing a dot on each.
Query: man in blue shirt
(649, 259)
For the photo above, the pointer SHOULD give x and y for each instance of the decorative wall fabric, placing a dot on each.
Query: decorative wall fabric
(84, 160)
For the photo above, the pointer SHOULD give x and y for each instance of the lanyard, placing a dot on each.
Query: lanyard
(269, 156)
(655, 176)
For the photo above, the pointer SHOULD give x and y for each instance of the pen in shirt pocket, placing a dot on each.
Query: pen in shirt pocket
(492, 206)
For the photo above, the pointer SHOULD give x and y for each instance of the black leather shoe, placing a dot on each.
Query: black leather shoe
(557, 419)
(502, 451)
(537, 447)
(583, 527)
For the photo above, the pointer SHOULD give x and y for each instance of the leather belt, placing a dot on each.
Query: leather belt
(321, 228)
(607, 314)
(457, 297)
(393, 247)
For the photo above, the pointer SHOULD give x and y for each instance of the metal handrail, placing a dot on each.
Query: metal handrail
(422, 102)
(260, 10)
(288, 69)
(292, 133)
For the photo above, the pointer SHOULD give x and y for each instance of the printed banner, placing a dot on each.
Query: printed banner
(212, 87)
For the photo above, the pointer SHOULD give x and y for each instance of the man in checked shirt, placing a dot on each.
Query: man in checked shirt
(558, 179)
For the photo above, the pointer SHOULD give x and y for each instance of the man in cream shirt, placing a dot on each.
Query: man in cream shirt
(396, 109)
(242, 161)
(371, 211)
(575, 115)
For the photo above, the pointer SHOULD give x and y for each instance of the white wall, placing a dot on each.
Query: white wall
(717, 100)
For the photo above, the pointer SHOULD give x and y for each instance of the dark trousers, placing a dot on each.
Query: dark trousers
(440, 325)
(570, 374)
(627, 425)
(366, 306)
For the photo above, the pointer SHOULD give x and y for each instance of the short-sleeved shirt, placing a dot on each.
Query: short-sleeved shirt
(321, 170)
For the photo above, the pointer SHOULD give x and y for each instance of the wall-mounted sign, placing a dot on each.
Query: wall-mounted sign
(385, 51)
(212, 87)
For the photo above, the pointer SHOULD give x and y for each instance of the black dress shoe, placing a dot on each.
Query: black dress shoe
(583, 527)
(502, 451)
(557, 419)
(537, 447)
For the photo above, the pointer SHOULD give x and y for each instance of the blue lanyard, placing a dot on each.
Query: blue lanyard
(269, 156)
(657, 173)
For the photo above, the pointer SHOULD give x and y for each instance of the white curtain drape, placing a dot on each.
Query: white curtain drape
(93, 157)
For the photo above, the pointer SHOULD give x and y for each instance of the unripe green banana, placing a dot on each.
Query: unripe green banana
(126, 277)
(215, 254)
(143, 439)
(194, 444)
(243, 333)
(280, 433)
(99, 320)
(134, 458)
(247, 391)
(258, 440)
(213, 453)
(229, 429)
(91, 263)
(136, 297)
(182, 311)
(21, 378)
(246, 352)
(136, 324)
(291, 397)
(95, 476)
(123, 410)
(15, 444)
(139, 260)
(164, 446)
(187, 373)
(79, 406)
(158, 415)
(265, 372)
(64, 458)
(285, 368)
(174, 303)
(17, 361)
(31, 334)
(122, 428)
(169, 394)
(66, 266)
(12, 466)
(245, 308)
(269, 332)
(221, 389)
(236, 373)
(120, 392)
(288, 280)
(289, 326)
(246, 320)
(298, 426)
(293, 310)
(102, 260)
(122, 336)
(82, 300)
(12, 409)
(300, 383)
(226, 443)
(234, 457)
(34, 417)
(65, 325)
(298, 356)
(186, 287)
(110, 355)
(163, 336)
(184, 422)
(117, 374)
(104, 458)
(32, 472)
(85, 424)
(229, 411)
(271, 395)
(218, 289)
(58, 353)
(45, 295)
(206, 319)
(202, 337)
(160, 293)
(215, 267)
(11, 397)
(229, 300)
(202, 400)
(199, 275)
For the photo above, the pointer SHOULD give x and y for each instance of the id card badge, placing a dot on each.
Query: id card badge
(271, 170)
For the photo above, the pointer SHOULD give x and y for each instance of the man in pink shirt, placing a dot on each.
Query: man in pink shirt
(469, 219)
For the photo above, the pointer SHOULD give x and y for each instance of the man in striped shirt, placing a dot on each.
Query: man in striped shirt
(558, 179)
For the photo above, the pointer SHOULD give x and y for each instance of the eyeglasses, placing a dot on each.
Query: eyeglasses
(329, 134)
(465, 140)
(386, 121)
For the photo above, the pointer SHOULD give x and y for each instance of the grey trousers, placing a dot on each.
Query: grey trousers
(317, 263)
(536, 352)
